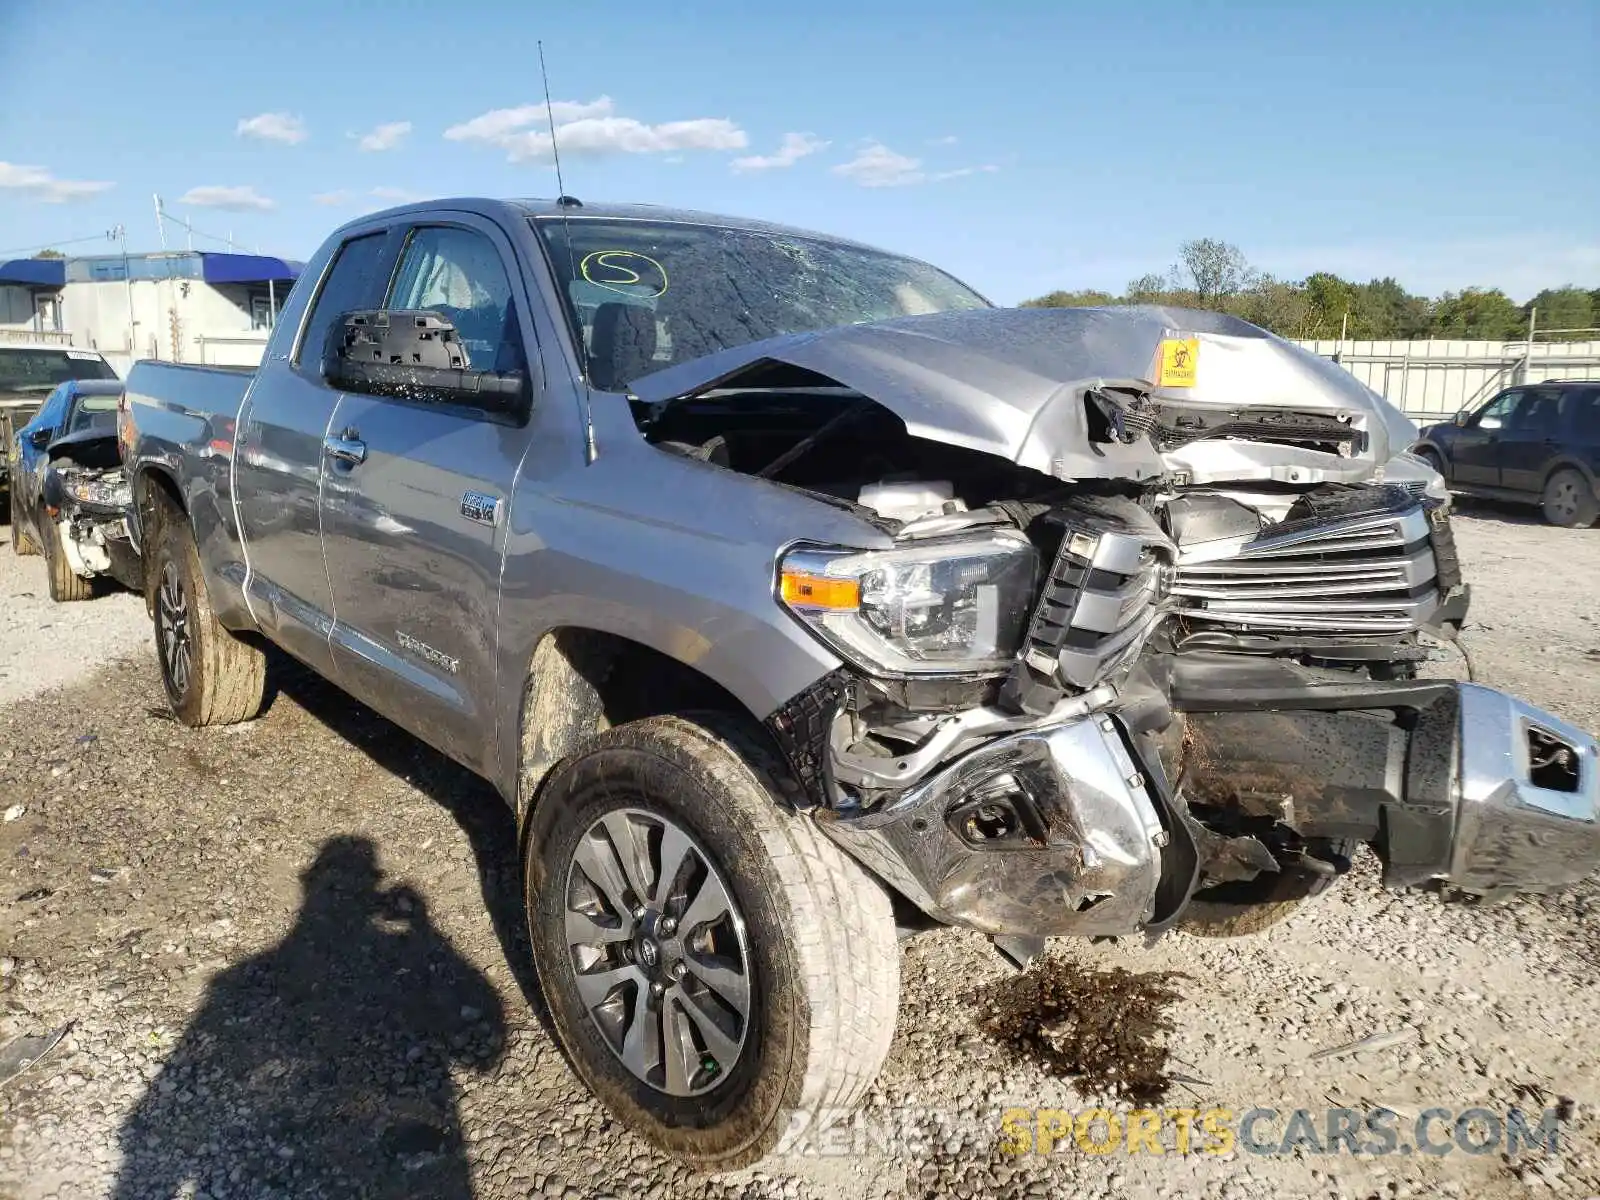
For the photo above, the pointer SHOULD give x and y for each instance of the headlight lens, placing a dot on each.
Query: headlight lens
(107, 494)
(1409, 469)
(942, 607)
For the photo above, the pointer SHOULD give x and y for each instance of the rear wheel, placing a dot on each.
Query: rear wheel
(713, 965)
(211, 676)
(1569, 500)
(66, 585)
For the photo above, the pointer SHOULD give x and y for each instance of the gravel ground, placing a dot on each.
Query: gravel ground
(43, 644)
(291, 959)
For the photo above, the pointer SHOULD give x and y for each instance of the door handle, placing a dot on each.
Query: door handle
(346, 448)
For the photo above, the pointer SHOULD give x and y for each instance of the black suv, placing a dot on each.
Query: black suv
(1536, 443)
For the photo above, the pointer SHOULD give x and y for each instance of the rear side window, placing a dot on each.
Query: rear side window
(1580, 415)
(351, 284)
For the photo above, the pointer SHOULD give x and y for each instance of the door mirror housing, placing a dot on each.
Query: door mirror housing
(414, 354)
(1462, 417)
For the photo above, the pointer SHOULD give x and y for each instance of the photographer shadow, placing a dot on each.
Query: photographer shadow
(326, 1065)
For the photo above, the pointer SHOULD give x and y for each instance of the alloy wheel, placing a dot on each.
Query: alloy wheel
(172, 625)
(658, 950)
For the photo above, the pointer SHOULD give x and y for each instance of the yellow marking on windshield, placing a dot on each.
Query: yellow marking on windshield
(620, 270)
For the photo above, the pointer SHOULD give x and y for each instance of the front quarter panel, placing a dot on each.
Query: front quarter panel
(674, 554)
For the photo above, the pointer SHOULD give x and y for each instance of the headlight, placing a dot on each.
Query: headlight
(1414, 472)
(100, 492)
(945, 606)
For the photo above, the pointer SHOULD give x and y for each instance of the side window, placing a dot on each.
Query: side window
(459, 274)
(349, 285)
(1499, 411)
(1580, 415)
(1537, 415)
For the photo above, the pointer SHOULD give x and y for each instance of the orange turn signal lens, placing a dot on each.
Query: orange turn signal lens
(801, 589)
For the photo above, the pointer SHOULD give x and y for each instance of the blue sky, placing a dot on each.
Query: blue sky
(1025, 146)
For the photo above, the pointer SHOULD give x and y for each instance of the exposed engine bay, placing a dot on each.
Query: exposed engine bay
(86, 495)
(1258, 644)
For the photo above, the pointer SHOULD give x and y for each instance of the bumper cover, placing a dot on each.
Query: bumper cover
(1056, 830)
(1527, 813)
(1042, 833)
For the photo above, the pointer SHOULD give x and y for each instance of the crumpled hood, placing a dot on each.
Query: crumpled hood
(1011, 382)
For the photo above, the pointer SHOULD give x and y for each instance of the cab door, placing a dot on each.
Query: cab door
(415, 498)
(278, 458)
(1475, 452)
(1530, 441)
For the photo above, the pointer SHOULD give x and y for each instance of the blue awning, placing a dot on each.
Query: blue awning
(34, 272)
(246, 268)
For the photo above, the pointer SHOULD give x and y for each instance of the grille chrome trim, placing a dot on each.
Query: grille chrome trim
(1372, 573)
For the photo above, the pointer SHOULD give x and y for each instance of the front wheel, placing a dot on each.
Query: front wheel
(1569, 500)
(20, 542)
(713, 965)
(66, 585)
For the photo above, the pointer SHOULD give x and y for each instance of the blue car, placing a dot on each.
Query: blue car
(69, 496)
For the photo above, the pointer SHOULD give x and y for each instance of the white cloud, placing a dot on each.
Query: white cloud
(497, 123)
(591, 128)
(272, 127)
(41, 185)
(384, 137)
(795, 147)
(331, 199)
(948, 140)
(234, 199)
(397, 195)
(875, 166)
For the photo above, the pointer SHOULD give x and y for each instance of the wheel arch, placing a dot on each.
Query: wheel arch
(581, 680)
(153, 485)
(1566, 462)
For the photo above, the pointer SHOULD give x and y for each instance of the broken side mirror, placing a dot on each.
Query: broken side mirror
(39, 439)
(414, 354)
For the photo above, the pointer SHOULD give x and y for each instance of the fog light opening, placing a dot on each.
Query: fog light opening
(1552, 763)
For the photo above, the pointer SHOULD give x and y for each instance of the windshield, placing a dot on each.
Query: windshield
(92, 412)
(643, 295)
(41, 370)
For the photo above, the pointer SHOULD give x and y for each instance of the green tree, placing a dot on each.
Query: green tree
(1329, 300)
(1566, 307)
(1215, 270)
(49, 254)
(1477, 313)
(1148, 289)
(1276, 304)
(1081, 299)
(1386, 311)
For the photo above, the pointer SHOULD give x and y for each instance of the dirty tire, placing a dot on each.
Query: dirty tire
(21, 543)
(1569, 500)
(221, 679)
(66, 585)
(823, 962)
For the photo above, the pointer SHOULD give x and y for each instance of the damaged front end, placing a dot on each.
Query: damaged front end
(1149, 636)
(86, 497)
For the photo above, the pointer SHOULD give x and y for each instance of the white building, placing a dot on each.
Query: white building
(185, 306)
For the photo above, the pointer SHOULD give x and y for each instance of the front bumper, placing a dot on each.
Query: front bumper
(1057, 829)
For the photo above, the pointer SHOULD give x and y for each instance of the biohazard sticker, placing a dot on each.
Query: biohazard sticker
(1179, 361)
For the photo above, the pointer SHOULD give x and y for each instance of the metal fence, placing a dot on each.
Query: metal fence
(1438, 377)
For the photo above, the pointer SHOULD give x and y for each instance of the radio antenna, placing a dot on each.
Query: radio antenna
(563, 202)
(550, 113)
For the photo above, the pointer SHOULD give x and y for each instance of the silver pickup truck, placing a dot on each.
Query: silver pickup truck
(798, 599)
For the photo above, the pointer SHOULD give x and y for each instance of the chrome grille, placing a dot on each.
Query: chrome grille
(1372, 573)
(1101, 599)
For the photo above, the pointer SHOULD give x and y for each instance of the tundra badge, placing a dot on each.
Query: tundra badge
(426, 652)
(481, 507)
